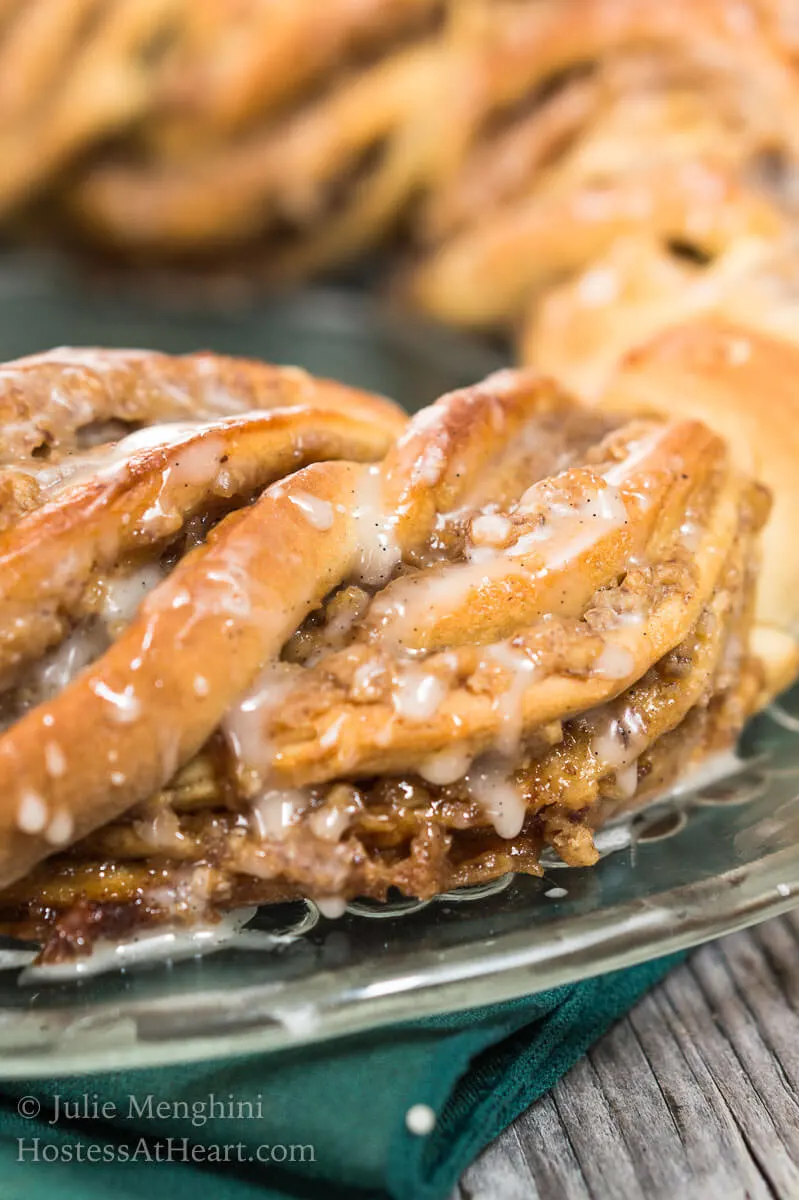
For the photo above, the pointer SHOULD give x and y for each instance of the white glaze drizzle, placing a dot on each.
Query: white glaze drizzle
(122, 594)
(230, 594)
(245, 722)
(617, 742)
(317, 512)
(161, 830)
(416, 601)
(618, 739)
(60, 828)
(275, 810)
(417, 695)
(627, 779)
(331, 907)
(520, 672)
(335, 816)
(54, 760)
(636, 453)
(339, 626)
(125, 705)
(61, 665)
(634, 614)
(108, 461)
(379, 550)
(489, 781)
(188, 893)
(490, 529)
(367, 680)
(690, 534)
(447, 766)
(31, 812)
(331, 735)
(613, 662)
(566, 530)
(329, 824)
(430, 465)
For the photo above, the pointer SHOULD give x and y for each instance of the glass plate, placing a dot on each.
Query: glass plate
(711, 859)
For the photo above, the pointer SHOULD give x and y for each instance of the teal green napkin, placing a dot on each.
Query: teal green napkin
(330, 1121)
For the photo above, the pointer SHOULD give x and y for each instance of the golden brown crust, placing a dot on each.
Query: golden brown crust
(112, 511)
(170, 82)
(187, 131)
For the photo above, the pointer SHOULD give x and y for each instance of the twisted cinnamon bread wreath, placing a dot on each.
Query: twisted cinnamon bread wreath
(615, 118)
(175, 95)
(512, 142)
(283, 651)
(584, 328)
(302, 130)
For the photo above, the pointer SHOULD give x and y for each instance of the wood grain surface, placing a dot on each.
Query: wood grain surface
(693, 1096)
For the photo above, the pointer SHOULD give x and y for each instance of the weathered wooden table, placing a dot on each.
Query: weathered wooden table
(694, 1096)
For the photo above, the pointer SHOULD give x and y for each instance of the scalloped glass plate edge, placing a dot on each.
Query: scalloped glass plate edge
(268, 1018)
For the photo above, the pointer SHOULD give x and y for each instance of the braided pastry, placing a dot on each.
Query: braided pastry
(584, 327)
(288, 652)
(512, 142)
(740, 380)
(167, 94)
(233, 67)
(675, 123)
(313, 175)
(74, 72)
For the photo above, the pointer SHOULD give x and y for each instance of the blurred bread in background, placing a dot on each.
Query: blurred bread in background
(161, 127)
(578, 175)
(498, 147)
(741, 382)
(585, 326)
